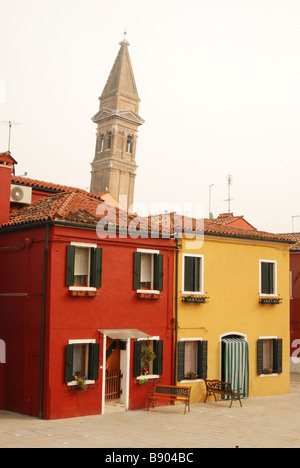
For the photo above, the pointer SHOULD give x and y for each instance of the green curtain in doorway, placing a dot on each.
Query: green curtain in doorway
(235, 363)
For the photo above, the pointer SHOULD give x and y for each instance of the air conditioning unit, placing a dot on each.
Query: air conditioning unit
(21, 194)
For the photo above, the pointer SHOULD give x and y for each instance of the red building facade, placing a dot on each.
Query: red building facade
(73, 303)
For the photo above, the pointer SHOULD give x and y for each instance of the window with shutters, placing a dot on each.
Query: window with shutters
(269, 356)
(84, 267)
(148, 271)
(192, 359)
(268, 278)
(82, 359)
(193, 267)
(155, 368)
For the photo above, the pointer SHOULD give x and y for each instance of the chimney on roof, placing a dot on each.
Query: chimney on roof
(7, 167)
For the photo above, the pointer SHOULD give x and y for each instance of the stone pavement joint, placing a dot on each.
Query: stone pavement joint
(262, 422)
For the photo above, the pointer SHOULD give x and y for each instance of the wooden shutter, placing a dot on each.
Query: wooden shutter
(137, 271)
(181, 352)
(260, 360)
(267, 278)
(277, 356)
(158, 272)
(189, 273)
(202, 359)
(70, 265)
(96, 268)
(93, 368)
(69, 363)
(137, 358)
(158, 346)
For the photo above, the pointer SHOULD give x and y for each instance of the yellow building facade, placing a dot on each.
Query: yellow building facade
(232, 311)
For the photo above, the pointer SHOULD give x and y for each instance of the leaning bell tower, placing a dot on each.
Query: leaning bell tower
(114, 166)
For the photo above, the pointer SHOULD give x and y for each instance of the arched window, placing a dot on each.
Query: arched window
(129, 145)
(2, 352)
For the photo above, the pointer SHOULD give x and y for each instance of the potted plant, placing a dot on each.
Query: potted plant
(191, 375)
(81, 381)
(147, 356)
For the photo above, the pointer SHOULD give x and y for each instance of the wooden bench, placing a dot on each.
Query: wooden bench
(170, 393)
(222, 388)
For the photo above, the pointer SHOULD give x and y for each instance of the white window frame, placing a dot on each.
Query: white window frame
(185, 381)
(275, 293)
(85, 246)
(201, 282)
(81, 342)
(149, 252)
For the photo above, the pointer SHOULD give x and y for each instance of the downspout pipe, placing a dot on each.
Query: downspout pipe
(42, 353)
(176, 310)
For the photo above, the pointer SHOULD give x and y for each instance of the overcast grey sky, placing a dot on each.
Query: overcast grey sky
(219, 82)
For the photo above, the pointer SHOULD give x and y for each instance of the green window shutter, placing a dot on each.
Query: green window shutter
(189, 273)
(260, 365)
(137, 271)
(267, 278)
(277, 356)
(69, 364)
(70, 265)
(96, 268)
(158, 346)
(181, 353)
(158, 272)
(93, 367)
(137, 358)
(196, 284)
(202, 359)
(271, 276)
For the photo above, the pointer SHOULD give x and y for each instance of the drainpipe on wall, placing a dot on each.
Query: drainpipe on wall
(176, 310)
(43, 323)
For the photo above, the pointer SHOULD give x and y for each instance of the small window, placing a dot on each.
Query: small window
(193, 274)
(268, 277)
(82, 360)
(109, 139)
(192, 359)
(269, 356)
(84, 266)
(148, 271)
(129, 145)
(101, 147)
(155, 367)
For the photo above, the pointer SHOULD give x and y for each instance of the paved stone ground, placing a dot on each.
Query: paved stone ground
(264, 422)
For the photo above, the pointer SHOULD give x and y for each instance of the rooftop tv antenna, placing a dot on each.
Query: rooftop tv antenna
(10, 123)
(210, 214)
(229, 183)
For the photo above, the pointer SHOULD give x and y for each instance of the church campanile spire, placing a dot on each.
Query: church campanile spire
(114, 166)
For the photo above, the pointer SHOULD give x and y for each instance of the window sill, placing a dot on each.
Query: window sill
(269, 375)
(74, 383)
(83, 291)
(147, 294)
(147, 377)
(190, 380)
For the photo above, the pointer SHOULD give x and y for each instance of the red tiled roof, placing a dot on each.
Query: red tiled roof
(48, 186)
(80, 208)
(210, 227)
(294, 237)
(229, 218)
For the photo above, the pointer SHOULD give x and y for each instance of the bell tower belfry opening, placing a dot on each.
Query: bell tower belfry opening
(114, 165)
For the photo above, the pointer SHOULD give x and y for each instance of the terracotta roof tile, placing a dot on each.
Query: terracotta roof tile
(49, 186)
